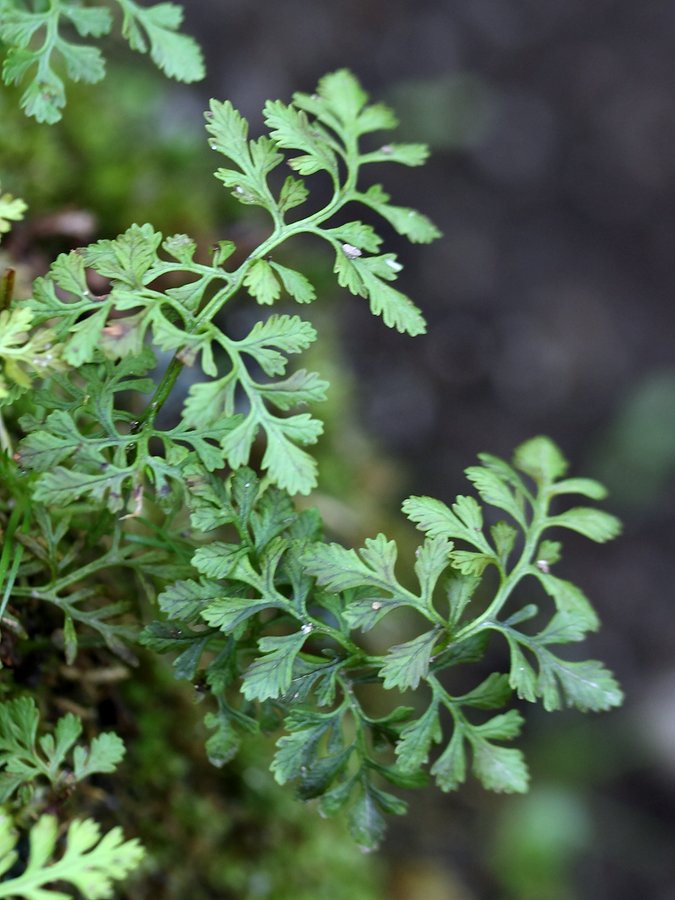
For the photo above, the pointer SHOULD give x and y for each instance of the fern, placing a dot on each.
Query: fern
(25, 758)
(255, 607)
(12, 209)
(279, 612)
(90, 863)
(102, 335)
(24, 356)
(43, 40)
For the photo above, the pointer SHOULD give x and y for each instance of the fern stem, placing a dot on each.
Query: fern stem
(520, 570)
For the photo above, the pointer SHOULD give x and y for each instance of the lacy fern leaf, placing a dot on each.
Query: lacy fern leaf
(40, 48)
(90, 863)
(257, 610)
(286, 609)
(56, 756)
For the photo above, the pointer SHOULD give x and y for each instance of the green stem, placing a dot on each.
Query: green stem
(108, 560)
(281, 233)
(160, 396)
(20, 510)
(520, 570)
(343, 640)
(442, 696)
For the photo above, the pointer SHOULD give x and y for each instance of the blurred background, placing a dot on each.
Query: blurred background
(550, 309)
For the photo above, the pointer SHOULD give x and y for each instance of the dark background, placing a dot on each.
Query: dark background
(550, 305)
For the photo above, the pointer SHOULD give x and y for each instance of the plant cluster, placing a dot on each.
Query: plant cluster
(42, 770)
(196, 516)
